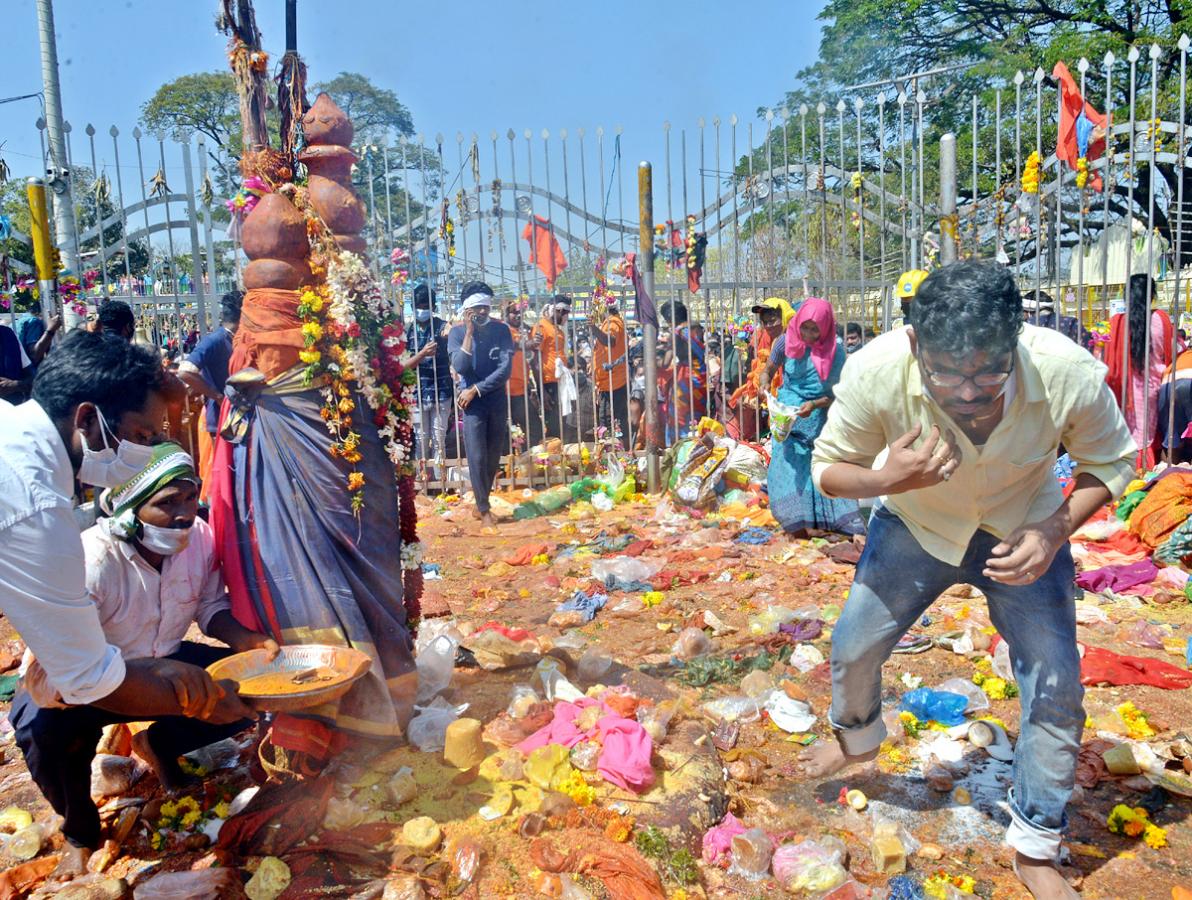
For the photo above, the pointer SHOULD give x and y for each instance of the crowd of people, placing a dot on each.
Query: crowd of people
(954, 421)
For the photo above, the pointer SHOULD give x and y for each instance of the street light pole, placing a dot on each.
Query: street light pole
(58, 172)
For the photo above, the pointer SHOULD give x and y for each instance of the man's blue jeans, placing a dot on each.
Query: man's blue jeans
(896, 581)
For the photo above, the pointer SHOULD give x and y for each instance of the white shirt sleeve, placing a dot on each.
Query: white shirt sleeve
(25, 361)
(44, 595)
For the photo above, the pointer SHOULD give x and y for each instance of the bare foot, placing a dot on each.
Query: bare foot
(169, 773)
(826, 758)
(73, 863)
(1043, 879)
(487, 520)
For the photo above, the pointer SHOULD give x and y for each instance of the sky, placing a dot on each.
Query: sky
(468, 65)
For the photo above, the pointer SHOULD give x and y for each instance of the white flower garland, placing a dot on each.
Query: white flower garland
(411, 556)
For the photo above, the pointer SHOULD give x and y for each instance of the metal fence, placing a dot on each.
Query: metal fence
(833, 199)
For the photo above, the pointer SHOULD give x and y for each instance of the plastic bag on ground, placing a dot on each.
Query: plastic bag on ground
(214, 882)
(809, 868)
(554, 683)
(936, 706)
(428, 729)
(792, 716)
(977, 698)
(782, 418)
(626, 568)
(1002, 667)
(523, 698)
(692, 642)
(495, 650)
(223, 754)
(435, 664)
(751, 853)
(735, 709)
(806, 657)
(114, 775)
(768, 620)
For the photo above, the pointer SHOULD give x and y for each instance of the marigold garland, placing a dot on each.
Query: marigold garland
(1030, 173)
(1082, 172)
(1135, 823)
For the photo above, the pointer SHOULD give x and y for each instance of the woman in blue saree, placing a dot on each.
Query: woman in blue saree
(812, 357)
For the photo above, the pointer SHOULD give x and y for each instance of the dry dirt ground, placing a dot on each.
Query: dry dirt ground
(735, 581)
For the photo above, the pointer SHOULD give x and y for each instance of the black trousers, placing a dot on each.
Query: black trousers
(59, 745)
(550, 409)
(614, 407)
(486, 438)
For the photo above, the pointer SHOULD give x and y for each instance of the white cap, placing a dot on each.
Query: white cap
(478, 299)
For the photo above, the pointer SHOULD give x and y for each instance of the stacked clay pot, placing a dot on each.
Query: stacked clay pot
(329, 160)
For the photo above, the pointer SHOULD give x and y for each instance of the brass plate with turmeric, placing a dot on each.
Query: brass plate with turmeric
(302, 675)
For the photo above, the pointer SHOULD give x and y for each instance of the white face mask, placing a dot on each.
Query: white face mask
(166, 541)
(110, 466)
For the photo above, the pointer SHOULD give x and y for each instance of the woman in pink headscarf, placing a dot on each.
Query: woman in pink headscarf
(812, 357)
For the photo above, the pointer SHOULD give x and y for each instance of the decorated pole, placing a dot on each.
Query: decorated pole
(43, 248)
(645, 209)
(948, 221)
(58, 170)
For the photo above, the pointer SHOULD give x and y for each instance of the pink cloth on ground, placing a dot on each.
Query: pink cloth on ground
(625, 757)
(626, 748)
(718, 841)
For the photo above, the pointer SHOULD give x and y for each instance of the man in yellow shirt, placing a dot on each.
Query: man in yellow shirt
(973, 405)
(610, 371)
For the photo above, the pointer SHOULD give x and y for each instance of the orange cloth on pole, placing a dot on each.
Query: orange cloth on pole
(270, 334)
(520, 374)
(553, 346)
(614, 327)
(206, 455)
(545, 252)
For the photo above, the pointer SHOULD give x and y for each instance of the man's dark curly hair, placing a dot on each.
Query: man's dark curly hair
(966, 307)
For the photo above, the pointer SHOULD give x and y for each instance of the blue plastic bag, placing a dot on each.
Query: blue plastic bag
(935, 706)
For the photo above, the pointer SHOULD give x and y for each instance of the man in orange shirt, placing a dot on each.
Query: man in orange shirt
(550, 338)
(523, 406)
(610, 372)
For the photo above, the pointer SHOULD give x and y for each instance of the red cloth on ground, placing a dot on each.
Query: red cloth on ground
(514, 634)
(545, 252)
(524, 555)
(637, 548)
(1123, 542)
(1101, 666)
(278, 818)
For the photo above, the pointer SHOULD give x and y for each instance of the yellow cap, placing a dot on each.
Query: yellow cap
(908, 284)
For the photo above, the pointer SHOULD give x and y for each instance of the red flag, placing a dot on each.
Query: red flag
(1080, 124)
(545, 252)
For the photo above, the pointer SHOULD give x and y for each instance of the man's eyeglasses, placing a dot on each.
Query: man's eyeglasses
(983, 380)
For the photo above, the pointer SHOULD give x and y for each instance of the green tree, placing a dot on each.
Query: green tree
(203, 103)
(868, 41)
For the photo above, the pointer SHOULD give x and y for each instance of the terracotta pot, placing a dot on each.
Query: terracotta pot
(274, 229)
(326, 123)
(283, 274)
(338, 206)
(329, 161)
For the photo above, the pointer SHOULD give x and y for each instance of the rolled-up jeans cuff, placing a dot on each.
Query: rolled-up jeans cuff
(858, 741)
(1029, 839)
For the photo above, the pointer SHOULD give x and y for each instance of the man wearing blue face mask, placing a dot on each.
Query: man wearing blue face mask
(151, 573)
(98, 401)
(427, 338)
